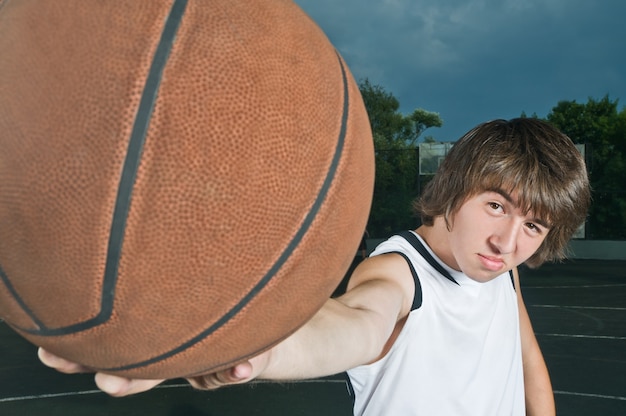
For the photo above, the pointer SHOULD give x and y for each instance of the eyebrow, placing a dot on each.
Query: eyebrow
(510, 199)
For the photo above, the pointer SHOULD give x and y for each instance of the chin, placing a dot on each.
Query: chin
(484, 276)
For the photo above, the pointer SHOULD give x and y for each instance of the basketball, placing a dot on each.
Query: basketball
(183, 183)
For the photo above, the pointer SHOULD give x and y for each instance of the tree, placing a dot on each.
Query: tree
(423, 120)
(395, 141)
(392, 128)
(600, 126)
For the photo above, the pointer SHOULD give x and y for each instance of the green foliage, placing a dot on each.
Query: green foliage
(600, 126)
(397, 175)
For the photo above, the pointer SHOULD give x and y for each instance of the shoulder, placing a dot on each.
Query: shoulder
(386, 274)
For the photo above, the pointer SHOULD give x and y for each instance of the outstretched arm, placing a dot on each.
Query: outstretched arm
(537, 385)
(351, 330)
(346, 332)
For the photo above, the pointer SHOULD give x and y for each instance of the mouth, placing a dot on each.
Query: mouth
(491, 263)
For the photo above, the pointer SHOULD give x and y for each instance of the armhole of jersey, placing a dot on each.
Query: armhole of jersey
(419, 247)
(350, 388)
(417, 298)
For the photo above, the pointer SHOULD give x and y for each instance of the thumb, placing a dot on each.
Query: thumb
(120, 386)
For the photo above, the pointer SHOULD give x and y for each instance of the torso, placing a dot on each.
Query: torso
(457, 352)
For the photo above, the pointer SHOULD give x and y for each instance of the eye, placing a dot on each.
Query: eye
(495, 206)
(534, 227)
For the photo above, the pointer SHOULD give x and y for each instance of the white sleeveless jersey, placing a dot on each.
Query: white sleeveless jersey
(459, 352)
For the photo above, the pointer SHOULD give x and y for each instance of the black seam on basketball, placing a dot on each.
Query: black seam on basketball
(286, 254)
(19, 300)
(128, 176)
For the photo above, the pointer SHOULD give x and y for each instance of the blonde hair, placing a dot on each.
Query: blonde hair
(525, 156)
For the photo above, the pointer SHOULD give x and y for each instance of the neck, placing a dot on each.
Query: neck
(437, 238)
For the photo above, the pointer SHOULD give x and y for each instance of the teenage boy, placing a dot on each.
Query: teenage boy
(433, 322)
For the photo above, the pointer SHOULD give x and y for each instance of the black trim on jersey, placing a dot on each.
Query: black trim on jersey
(417, 297)
(417, 245)
(350, 388)
(512, 280)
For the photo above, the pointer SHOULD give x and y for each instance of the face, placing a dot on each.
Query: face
(490, 235)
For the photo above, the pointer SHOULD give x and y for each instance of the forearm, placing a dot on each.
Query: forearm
(311, 352)
(537, 385)
(539, 394)
(344, 334)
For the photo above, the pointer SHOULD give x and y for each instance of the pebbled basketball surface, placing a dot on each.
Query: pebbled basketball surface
(182, 183)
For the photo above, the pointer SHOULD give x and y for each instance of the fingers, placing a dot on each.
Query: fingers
(112, 385)
(60, 364)
(240, 373)
(120, 386)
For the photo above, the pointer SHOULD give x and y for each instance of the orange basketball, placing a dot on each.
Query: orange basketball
(182, 183)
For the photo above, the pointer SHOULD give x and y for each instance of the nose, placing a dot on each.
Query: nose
(504, 238)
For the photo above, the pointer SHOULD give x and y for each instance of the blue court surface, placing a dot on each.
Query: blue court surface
(578, 309)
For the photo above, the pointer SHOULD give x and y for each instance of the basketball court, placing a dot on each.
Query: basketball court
(578, 310)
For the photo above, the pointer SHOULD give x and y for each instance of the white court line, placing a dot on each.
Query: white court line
(581, 336)
(169, 386)
(48, 396)
(573, 286)
(608, 308)
(166, 386)
(595, 396)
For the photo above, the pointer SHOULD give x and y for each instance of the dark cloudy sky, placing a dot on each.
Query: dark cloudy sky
(476, 60)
